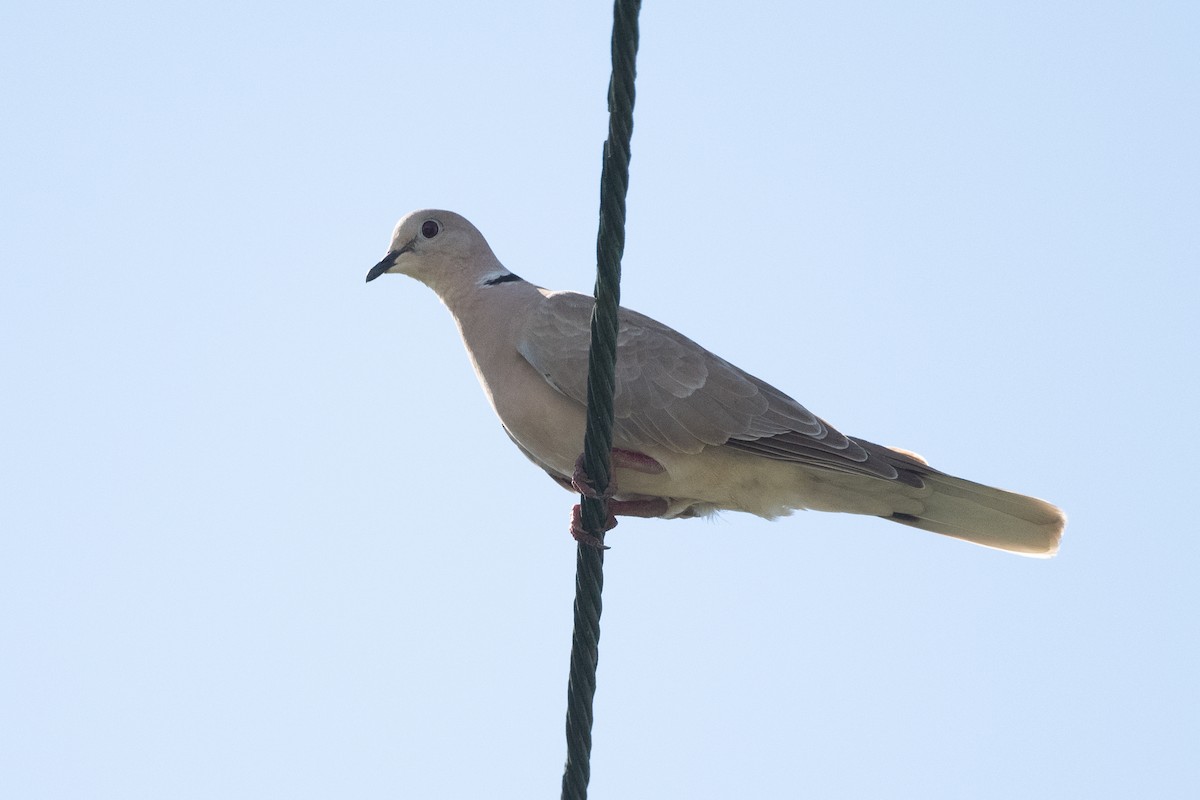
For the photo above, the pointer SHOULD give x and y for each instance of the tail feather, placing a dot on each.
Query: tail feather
(966, 510)
(987, 516)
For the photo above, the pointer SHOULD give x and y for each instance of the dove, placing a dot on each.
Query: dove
(693, 434)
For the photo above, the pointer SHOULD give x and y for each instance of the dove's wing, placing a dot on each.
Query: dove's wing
(673, 393)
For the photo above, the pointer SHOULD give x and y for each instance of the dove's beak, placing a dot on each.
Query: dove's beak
(388, 262)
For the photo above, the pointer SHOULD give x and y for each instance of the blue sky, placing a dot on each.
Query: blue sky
(262, 536)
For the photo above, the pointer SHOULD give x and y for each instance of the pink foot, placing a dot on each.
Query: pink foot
(620, 459)
(580, 534)
(654, 507)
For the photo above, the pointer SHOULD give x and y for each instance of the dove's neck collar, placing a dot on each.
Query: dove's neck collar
(498, 277)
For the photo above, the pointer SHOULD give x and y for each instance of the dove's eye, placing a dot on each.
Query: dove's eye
(430, 229)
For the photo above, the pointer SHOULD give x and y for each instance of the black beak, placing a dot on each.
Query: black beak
(388, 262)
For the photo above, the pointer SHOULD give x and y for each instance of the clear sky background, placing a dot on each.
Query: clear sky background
(262, 537)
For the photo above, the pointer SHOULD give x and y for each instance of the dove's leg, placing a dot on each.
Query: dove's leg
(654, 507)
(621, 459)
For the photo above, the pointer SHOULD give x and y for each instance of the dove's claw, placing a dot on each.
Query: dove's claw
(580, 534)
(582, 482)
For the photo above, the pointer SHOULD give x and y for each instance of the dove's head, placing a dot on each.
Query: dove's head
(439, 248)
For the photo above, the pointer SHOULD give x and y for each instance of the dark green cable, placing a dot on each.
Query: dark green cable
(602, 361)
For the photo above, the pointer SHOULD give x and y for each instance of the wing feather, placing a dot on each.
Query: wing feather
(673, 393)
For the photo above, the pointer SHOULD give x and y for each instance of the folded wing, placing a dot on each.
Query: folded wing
(673, 393)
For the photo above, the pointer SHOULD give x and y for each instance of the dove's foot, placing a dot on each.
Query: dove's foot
(654, 507)
(620, 459)
(580, 533)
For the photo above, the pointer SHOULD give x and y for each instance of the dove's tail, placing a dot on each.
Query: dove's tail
(931, 500)
(987, 516)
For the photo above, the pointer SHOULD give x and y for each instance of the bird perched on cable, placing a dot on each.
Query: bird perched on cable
(693, 434)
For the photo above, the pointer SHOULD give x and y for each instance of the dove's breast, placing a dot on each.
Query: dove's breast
(546, 424)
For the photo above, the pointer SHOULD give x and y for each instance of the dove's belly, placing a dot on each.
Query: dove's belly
(722, 479)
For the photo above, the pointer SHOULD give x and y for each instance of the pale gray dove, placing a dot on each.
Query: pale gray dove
(693, 433)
